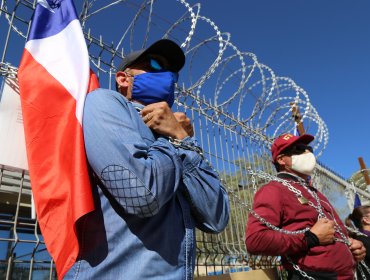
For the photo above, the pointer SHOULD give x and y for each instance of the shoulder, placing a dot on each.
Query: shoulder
(273, 190)
(102, 94)
(270, 197)
(105, 101)
(104, 107)
(272, 186)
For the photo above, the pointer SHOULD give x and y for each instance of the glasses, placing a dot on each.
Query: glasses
(155, 65)
(150, 64)
(297, 149)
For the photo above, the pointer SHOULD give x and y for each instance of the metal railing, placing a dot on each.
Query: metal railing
(236, 103)
(22, 251)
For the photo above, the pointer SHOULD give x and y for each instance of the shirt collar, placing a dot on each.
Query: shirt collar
(290, 176)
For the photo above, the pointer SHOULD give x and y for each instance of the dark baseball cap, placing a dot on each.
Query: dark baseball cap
(165, 48)
(287, 140)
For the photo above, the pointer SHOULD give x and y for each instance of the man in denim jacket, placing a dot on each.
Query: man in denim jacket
(152, 187)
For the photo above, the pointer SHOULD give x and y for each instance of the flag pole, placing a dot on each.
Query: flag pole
(364, 172)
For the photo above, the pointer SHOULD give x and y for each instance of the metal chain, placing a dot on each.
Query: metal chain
(254, 184)
(186, 146)
(269, 225)
(337, 228)
(363, 276)
(296, 267)
(355, 231)
(365, 266)
(298, 193)
(317, 207)
(359, 233)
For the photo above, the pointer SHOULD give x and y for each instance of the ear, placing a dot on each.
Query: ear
(122, 79)
(281, 161)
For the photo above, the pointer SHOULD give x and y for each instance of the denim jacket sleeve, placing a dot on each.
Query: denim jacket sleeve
(143, 173)
(139, 176)
(203, 189)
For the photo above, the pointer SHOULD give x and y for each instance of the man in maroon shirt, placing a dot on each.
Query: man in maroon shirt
(291, 218)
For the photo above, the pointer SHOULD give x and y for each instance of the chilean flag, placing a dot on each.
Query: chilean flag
(54, 78)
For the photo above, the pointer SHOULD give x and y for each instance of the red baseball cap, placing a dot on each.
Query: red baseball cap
(286, 140)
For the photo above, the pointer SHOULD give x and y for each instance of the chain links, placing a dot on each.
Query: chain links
(275, 228)
(363, 276)
(317, 207)
(298, 194)
(362, 263)
(186, 146)
(296, 267)
(269, 177)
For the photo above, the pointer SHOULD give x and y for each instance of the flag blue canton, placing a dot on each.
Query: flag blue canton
(51, 17)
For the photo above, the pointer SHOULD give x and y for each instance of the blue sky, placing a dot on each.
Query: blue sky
(324, 46)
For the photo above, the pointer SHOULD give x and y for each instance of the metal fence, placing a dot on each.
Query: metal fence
(22, 251)
(23, 254)
(236, 103)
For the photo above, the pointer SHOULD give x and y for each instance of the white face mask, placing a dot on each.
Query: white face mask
(304, 163)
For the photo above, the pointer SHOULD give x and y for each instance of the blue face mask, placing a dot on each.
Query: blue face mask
(154, 87)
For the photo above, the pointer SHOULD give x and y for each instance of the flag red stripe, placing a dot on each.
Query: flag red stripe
(56, 158)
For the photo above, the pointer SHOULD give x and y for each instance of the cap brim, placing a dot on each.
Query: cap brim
(305, 138)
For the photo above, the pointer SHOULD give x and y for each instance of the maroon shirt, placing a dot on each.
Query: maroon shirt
(280, 207)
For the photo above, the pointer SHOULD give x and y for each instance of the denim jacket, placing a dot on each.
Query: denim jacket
(149, 197)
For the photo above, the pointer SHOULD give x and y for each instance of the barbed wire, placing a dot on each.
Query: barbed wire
(230, 80)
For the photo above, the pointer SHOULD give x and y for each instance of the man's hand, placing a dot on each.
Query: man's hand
(185, 122)
(324, 230)
(358, 250)
(159, 118)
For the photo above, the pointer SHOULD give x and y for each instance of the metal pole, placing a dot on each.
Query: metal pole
(9, 272)
(297, 118)
(364, 171)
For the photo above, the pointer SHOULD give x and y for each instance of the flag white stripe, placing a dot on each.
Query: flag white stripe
(70, 68)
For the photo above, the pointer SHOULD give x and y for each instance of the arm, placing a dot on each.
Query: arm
(140, 174)
(203, 190)
(260, 239)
